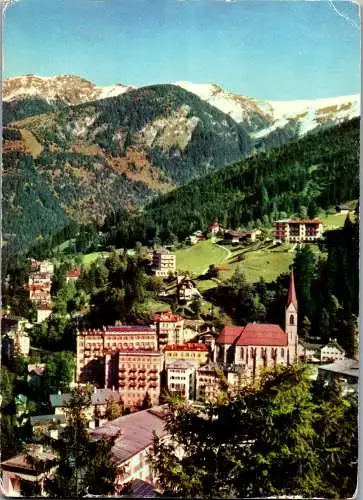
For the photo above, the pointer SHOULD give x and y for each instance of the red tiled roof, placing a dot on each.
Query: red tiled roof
(262, 335)
(74, 273)
(186, 347)
(168, 316)
(229, 334)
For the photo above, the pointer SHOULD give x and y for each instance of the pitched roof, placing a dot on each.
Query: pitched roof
(258, 334)
(291, 298)
(186, 347)
(229, 334)
(98, 397)
(168, 317)
(136, 432)
(345, 366)
(74, 273)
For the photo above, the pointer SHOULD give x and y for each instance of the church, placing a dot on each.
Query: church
(259, 345)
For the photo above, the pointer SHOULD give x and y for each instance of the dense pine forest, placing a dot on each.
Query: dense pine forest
(315, 172)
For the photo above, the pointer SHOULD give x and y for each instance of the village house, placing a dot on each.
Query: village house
(186, 289)
(97, 410)
(18, 477)
(181, 378)
(134, 440)
(189, 352)
(235, 237)
(73, 275)
(259, 345)
(44, 266)
(163, 263)
(169, 328)
(320, 353)
(15, 338)
(47, 425)
(44, 310)
(298, 231)
(215, 228)
(208, 379)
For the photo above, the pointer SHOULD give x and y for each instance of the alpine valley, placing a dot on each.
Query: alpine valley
(73, 151)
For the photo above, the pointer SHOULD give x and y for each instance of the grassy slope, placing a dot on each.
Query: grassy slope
(197, 258)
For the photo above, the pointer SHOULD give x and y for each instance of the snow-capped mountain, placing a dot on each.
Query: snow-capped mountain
(265, 117)
(262, 119)
(67, 89)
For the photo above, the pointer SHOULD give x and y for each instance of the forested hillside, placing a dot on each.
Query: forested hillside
(317, 171)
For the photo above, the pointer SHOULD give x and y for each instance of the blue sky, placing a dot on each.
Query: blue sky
(263, 49)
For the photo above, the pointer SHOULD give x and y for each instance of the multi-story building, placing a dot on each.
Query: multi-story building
(93, 344)
(133, 443)
(297, 231)
(15, 338)
(257, 345)
(138, 374)
(44, 266)
(169, 328)
(181, 378)
(208, 379)
(189, 352)
(163, 263)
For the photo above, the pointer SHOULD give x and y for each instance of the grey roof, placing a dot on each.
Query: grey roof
(141, 489)
(98, 397)
(136, 432)
(311, 345)
(47, 419)
(349, 367)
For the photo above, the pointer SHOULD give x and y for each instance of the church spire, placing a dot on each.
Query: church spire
(291, 298)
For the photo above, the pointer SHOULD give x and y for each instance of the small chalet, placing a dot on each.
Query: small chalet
(186, 289)
(240, 236)
(320, 353)
(215, 228)
(73, 275)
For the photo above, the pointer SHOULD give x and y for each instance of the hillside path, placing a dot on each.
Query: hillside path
(229, 253)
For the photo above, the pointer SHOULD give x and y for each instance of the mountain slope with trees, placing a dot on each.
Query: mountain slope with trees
(316, 172)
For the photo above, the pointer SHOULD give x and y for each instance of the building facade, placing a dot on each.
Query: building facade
(257, 345)
(169, 328)
(138, 374)
(181, 378)
(93, 344)
(298, 231)
(186, 289)
(188, 352)
(163, 263)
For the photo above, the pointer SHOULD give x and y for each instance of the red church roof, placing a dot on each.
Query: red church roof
(256, 334)
(262, 334)
(291, 298)
(230, 334)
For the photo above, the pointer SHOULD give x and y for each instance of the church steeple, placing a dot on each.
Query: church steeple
(291, 320)
(291, 298)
